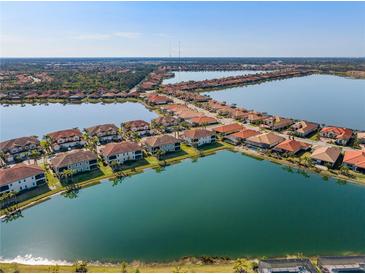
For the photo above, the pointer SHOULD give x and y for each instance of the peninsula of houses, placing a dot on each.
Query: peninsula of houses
(187, 121)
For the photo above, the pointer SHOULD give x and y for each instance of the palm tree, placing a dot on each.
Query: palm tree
(158, 153)
(34, 154)
(345, 170)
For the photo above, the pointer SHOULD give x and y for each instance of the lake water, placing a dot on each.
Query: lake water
(18, 121)
(182, 76)
(225, 205)
(325, 99)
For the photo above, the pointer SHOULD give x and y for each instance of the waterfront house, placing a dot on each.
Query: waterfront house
(63, 140)
(342, 264)
(355, 160)
(105, 133)
(304, 128)
(121, 152)
(142, 128)
(285, 265)
(78, 161)
(264, 140)
(326, 155)
(254, 118)
(341, 135)
(21, 177)
(19, 149)
(157, 99)
(228, 129)
(241, 136)
(277, 123)
(188, 114)
(291, 147)
(202, 121)
(198, 137)
(165, 143)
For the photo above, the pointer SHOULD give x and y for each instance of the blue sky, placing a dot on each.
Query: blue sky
(153, 29)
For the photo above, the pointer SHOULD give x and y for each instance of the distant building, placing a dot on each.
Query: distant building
(121, 152)
(63, 140)
(19, 149)
(286, 266)
(77, 160)
(345, 264)
(21, 177)
(277, 123)
(105, 133)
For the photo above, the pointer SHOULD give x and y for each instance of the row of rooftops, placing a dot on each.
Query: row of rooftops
(234, 80)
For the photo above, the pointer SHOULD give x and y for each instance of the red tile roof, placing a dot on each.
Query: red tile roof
(244, 134)
(292, 145)
(64, 134)
(72, 157)
(229, 128)
(18, 172)
(341, 133)
(161, 140)
(117, 148)
(355, 157)
(197, 133)
(203, 120)
(18, 142)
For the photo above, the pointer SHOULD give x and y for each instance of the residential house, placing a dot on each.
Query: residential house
(342, 264)
(355, 160)
(304, 128)
(198, 137)
(19, 149)
(66, 139)
(326, 155)
(202, 121)
(121, 152)
(168, 122)
(157, 99)
(277, 123)
(341, 135)
(291, 147)
(361, 137)
(241, 136)
(105, 133)
(21, 177)
(228, 129)
(142, 128)
(285, 265)
(264, 140)
(164, 143)
(78, 161)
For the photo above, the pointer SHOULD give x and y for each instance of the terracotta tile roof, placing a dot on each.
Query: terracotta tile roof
(135, 124)
(292, 145)
(161, 140)
(101, 129)
(203, 120)
(117, 148)
(188, 114)
(341, 133)
(64, 134)
(327, 154)
(18, 142)
(361, 135)
(18, 172)
(266, 138)
(355, 157)
(229, 128)
(197, 133)
(244, 134)
(166, 120)
(157, 98)
(72, 157)
(304, 126)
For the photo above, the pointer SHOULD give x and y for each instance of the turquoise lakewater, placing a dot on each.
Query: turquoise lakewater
(325, 99)
(18, 121)
(226, 204)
